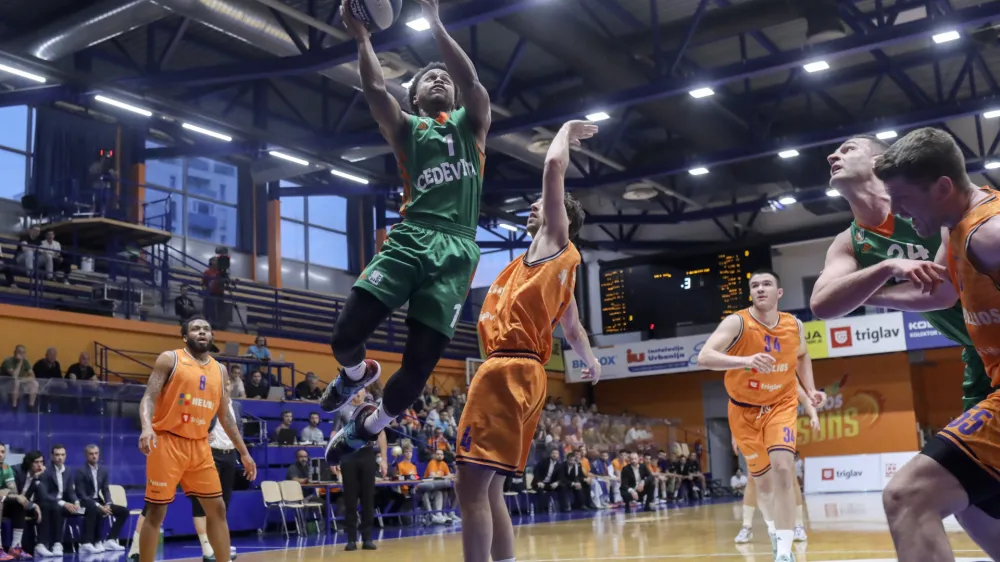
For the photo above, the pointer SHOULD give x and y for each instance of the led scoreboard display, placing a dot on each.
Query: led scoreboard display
(667, 293)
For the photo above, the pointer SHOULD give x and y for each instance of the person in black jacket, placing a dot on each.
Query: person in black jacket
(573, 481)
(546, 483)
(94, 492)
(21, 505)
(57, 499)
(637, 484)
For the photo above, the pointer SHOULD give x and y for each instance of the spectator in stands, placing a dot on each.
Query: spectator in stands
(547, 477)
(55, 260)
(257, 388)
(21, 503)
(19, 369)
(738, 483)
(48, 367)
(286, 422)
(621, 462)
(696, 476)
(671, 480)
(81, 370)
(214, 303)
(236, 378)
(447, 423)
(576, 490)
(440, 443)
(312, 433)
(309, 389)
(299, 471)
(637, 484)
(437, 479)
(27, 255)
(8, 271)
(93, 490)
(259, 349)
(184, 306)
(609, 476)
(57, 499)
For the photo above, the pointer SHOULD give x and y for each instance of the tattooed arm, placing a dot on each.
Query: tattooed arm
(154, 386)
(232, 430)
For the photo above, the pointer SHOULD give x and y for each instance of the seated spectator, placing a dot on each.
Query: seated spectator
(236, 377)
(259, 350)
(21, 503)
(670, 479)
(58, 499)
(436, 480)
(576, 490)
(257, 389)
(447, 423)
(184, 307)
(286, 422)
(48, 367)
(8, 271)
(312, 433)
(547, 479)
(81, 371)
(94, 492)
(696, 476)
(309, 389)
(738, 483)
(299, 471)
(55, 260)
(439, 442)
(19, 369)
(27, 254)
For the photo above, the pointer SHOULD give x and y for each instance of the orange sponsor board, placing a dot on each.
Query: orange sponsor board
(869, 408)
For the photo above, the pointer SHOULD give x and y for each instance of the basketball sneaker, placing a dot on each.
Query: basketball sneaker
(17, 553)
(785, 558)
(745, 536)
(352, 437)
(338, 393)
(4, 557)
(800, 534)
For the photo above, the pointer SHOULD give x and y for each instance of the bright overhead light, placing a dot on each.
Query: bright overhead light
(698, 171)
(946, 36)
(284, 156)
(22, 74)
(419, 24)
(816, 66)
(788, 153)
(832, 192)
(702, 93)
(992, 165)
(352, 177)
(787, 200)
(125, 106)
(886, 135)
(992, 114)
(511, 200)
(406, 85)
(207, 132)
(506, 226)
(598, 116)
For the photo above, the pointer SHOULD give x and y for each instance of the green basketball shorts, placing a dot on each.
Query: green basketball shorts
(431, 269)
(976, 384)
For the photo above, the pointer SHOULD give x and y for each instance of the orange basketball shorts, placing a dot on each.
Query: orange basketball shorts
(759, 430)
(179, 461)
(498, 424)
(969, 448)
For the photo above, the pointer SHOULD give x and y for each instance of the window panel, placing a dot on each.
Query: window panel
(490, 266)
(209, 221)
(293, 207)
(156, 209)
(328, 211)
(165, 173)
(12, 181)
(327, 248)
(483, 235)
(14, 127)
(293, 241)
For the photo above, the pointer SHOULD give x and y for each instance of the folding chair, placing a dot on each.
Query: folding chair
(271, 493)
(119, 497)
(292, 497)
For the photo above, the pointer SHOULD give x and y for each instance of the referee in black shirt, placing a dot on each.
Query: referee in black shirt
(359, 470)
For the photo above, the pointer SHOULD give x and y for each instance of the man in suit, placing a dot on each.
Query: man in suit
(94, 493)
(19, 504)
(637, 484)
(57, 499)
(575, 488)
(547, 478)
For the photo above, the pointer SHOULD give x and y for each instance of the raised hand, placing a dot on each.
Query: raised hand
(355, 28)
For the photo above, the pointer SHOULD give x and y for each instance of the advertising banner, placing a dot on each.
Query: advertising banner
(921, 335)
(816, 338)
(850, 473)
(652, 357)
(892, 462)
(865, 335)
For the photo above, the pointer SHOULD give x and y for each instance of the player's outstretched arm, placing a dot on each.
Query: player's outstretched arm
(385, 109)
(808, 406)
(463, 72)
(154, 386)
(842, 285)
(714, 354)
(579, 341)
(937, 294)
(556, 223)
(232, 429)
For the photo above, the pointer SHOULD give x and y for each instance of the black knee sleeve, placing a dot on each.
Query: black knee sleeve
(424, 347)
(361, 315)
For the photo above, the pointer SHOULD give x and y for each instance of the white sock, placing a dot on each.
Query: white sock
(206, 547)
(16, 541)
(799, 520)
(785, 539)
(133, 547)
(770, 526)
(356, 372)
(748, 516)
(378, 421)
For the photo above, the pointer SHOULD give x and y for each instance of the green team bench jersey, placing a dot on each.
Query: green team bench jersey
(896, 238)
(442, 170)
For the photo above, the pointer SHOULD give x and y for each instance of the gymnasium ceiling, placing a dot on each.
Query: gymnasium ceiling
(268, 73)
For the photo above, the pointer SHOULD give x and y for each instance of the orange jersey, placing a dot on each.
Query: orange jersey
(525, 302)
(747, 386)
(977, 290)
(190, 398)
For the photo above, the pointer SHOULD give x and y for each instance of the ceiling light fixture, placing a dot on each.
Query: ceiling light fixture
(351, 177)
(816, 66)
(598, 116)
(22, 74)
(702, 93)
(946, 37)
(788, 153)
(284, 156)
(207, 132)
(419, 24)
(832, 192)
(886, 135)
(787, 200)
(123, 105)
(698, 171)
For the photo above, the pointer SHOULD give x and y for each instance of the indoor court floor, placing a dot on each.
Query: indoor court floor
(840, 527)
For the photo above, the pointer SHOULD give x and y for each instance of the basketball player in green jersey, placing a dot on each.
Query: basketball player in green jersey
(880, 248)
(428, 259)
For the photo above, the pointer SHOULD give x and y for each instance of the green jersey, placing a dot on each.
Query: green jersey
(6, 476)
(442, 170)
(896, 238)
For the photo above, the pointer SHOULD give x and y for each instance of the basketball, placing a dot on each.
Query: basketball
(397, 451)
(376, 15)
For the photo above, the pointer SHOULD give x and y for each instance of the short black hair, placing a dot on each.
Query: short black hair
(878, 145)
(58, 446)
(575, 213)
(29, 459)
(922, 157)
(411, 92)
(765, 271)
(185, 326)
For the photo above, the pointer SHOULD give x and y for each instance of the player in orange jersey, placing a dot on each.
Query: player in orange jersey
(185, 391)
(762, 350)
(958, 472)
(508, 391)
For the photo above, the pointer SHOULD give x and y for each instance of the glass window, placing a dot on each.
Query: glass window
(210, 221)
(14, 127)
(293, 207)
(293, 241)
(12, 181)
(164, 173)
(327, 248)
(490, 265)
(483, 235)
(157, 208)
(329, 211)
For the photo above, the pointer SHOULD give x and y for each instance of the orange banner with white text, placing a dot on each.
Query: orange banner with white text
(869, 407)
